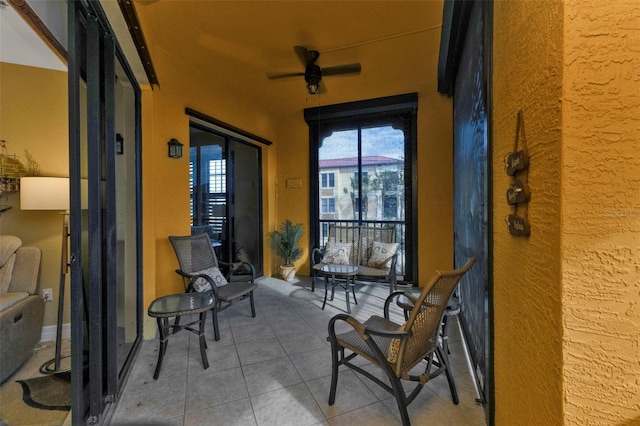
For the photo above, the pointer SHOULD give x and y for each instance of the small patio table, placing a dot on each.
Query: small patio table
(177, 305)
(341, 275)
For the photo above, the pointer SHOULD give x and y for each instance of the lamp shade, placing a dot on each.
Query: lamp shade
(44, 193)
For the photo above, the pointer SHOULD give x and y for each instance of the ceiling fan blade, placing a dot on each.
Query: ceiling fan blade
(303, 54)
(278, 76)
(342, 69)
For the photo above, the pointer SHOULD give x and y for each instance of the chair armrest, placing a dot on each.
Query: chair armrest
(395, 295)
(191, 278)
(316, 256)
(364, 331)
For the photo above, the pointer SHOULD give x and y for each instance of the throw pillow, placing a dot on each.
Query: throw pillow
(201, 284)
(381, 255)
(337, 253)
(394, 348)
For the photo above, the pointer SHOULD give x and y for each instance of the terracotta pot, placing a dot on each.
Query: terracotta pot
(287, 272)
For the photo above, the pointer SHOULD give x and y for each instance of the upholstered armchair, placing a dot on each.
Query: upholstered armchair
(21, 309)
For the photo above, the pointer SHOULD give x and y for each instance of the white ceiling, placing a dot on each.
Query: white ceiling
(19, 44)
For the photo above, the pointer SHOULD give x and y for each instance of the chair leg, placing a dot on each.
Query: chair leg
(253, 306)
(203, 342)
(214, 315)
(334, 374)
(401, 400)
(444, 359)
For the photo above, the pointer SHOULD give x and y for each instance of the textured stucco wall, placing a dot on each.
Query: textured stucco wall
(527, 271)
(567, 317)
(601, 212)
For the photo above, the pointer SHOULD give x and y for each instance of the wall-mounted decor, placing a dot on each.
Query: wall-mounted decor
(516, 165)
(119, 144)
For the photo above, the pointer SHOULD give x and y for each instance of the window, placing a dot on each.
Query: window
(328, 205)
(390, 207)
(217, 176)
(328, 180)
(365, 151)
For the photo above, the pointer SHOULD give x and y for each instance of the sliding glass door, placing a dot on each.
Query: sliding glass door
(225, 182)
(104, 152)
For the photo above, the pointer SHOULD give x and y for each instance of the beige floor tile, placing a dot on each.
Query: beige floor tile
(270, 375)
(351, 394)
(209, 388)
(234, 413)
(275, 370)
(291, 406)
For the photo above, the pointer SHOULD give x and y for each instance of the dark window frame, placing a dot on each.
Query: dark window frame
(322, 121)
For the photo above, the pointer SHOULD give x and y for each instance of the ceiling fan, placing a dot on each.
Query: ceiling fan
(312, 72)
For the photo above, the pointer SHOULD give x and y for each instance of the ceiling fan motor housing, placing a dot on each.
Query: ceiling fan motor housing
(313, 74)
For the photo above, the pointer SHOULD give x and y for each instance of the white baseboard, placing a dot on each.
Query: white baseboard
(49, 332)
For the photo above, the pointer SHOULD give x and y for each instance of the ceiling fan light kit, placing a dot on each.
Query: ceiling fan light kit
(313, 75)
(312, 71)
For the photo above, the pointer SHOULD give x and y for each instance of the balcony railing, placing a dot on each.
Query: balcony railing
(400, 237)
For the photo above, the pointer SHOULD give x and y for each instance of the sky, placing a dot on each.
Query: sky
(385, 141)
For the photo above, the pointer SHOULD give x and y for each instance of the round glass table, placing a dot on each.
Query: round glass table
(175, 306)
(340, 275)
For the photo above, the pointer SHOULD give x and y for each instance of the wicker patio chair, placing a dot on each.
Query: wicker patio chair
(398, 348)
(200, 270)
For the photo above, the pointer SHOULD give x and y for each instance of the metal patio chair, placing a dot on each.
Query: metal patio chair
(397, 348)
(200, 270)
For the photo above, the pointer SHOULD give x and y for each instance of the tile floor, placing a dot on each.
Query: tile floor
(275, 369)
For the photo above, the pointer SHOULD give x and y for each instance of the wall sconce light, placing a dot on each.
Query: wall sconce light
(175, 148)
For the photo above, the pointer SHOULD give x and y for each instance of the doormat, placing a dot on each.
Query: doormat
(42, 400)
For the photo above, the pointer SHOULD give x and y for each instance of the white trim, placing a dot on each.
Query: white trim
(49, 332)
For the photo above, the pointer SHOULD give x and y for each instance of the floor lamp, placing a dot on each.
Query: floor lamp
(51, 193)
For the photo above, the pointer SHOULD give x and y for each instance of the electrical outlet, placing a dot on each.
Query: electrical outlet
(47, 294)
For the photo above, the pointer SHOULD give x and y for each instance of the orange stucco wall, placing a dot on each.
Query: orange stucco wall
(567, 323)
(166, 199)
(166, 180)
(601, 212)
(527, 281)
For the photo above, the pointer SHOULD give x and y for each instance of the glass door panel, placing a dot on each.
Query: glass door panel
(105, 213)
(383, 166)
(339, 191)
(246, 204)
(225, 180)
(126, 180)
(361, 175)
(208, 182)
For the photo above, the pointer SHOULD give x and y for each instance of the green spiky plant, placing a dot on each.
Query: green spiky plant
(284, 242)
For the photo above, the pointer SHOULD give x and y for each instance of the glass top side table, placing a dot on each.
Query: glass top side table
(176, 305)
(340, 275)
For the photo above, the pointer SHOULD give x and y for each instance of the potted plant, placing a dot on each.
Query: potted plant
(284, 242)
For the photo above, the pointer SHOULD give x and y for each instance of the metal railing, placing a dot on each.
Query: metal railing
(400, 237)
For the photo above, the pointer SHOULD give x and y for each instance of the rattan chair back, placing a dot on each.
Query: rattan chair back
(425, 318)
(195, 252)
